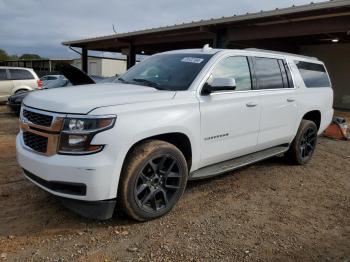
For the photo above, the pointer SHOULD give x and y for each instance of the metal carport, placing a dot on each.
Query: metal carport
(318, 29)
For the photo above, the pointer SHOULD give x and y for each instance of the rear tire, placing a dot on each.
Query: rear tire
(21, 91)
(304, 143)
(153, 179)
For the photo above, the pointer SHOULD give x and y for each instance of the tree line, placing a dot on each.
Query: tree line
(4, 56)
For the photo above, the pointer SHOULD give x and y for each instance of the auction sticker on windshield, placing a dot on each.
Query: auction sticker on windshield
(194, 60)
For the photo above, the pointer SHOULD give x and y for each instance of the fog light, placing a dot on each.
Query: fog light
(74, 140)
(77, 144)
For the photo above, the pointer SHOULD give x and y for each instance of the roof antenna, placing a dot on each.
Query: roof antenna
(114, 29)
(206, 47)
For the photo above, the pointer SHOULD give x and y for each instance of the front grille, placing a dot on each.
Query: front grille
(35, 142)
(41, 130)
(38, 119)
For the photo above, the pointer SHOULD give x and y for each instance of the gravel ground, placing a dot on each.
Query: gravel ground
(269, 211)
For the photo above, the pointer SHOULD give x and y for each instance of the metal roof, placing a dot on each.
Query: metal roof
(219, 21)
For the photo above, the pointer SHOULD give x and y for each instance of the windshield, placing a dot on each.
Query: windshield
(166, 71)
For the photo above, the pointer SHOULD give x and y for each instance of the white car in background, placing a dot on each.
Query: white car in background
(14, 80)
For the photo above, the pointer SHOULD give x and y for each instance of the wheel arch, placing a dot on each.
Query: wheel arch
(178, 139)
(314, 116)
(17, 88)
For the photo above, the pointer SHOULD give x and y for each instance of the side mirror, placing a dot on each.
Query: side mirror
(219, 84)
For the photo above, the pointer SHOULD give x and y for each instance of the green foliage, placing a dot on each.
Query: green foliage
(3, 55)
(13, 57)
(30, 56)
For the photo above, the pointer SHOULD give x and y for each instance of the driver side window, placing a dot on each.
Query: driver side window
(236, 67)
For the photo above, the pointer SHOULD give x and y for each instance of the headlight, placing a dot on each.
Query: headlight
(78, 132)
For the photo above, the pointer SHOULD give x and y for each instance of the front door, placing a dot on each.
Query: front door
(229, 120)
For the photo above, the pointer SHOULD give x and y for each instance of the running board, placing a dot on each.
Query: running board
(229, 165)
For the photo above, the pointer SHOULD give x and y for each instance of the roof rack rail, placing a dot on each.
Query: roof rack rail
(280, 53)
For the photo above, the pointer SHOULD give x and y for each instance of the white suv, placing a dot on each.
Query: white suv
(176, 116)
(17, 79)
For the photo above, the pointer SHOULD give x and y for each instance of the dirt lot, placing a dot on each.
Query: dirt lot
(268, 211)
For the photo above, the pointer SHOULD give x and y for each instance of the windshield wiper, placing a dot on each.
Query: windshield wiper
(148, 82)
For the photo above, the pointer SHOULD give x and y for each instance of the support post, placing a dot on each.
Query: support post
(219, 40)
(131, 58)
(84, 60)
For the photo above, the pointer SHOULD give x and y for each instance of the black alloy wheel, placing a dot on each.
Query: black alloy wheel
(153, 179)
(157, 183)
(308, 143)
(304, 143)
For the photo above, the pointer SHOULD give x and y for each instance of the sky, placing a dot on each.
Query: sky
(40, 26)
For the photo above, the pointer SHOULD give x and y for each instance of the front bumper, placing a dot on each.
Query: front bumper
(100, 210)
(88, 177)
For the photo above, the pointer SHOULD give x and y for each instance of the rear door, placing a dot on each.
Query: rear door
(278, 104)
(230, 119)
(6, 84)
(22, 78)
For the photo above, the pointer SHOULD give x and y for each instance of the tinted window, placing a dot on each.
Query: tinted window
(314, 75)
(236, 67)
(3, 75)
(19, 74)
(268, 73)
(51, 78)
(166, 71)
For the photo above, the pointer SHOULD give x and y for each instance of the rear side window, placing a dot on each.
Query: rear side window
(268, 73)
(20, 74)
(314, 75)
(3, 75)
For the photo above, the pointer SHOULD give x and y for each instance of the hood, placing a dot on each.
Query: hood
(84, 98)
(74, 75)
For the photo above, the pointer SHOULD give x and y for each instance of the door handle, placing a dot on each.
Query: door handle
(251, 104)
(290, 99)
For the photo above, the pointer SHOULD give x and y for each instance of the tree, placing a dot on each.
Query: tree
(30, 56)
(3, 55)
(13, 57)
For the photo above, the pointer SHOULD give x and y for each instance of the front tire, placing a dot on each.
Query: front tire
(304, 143)
(153, 179)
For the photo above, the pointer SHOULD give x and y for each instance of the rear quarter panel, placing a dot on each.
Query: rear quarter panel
(25, 85)
(310, 99)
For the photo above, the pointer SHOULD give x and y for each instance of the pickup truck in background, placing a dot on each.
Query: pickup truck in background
(176, 116)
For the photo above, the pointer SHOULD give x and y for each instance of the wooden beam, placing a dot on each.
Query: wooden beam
(290, 29)
(175, 38)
